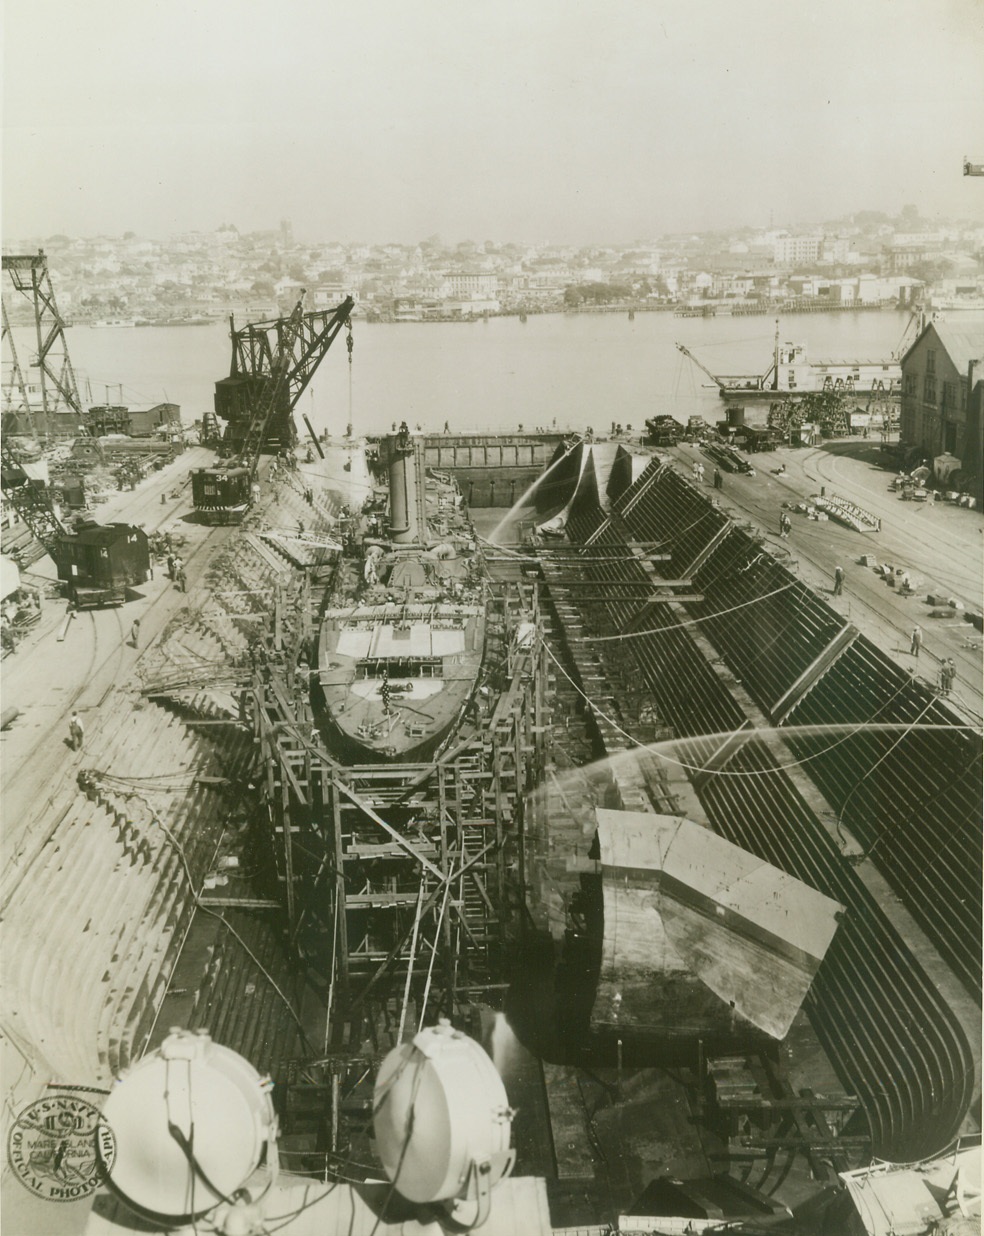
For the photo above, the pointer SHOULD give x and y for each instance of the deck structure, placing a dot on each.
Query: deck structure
(404, 872)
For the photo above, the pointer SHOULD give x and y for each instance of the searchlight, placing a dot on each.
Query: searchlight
(442, 1123)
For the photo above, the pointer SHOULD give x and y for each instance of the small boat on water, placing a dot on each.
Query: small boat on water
(401, 650)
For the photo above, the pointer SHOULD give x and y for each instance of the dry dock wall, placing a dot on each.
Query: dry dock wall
(758, 647)
(492, 470)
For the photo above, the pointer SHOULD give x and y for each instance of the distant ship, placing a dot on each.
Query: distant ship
(400, 652)
(792, 373)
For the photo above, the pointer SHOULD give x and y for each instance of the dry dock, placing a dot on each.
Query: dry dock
(791, 721)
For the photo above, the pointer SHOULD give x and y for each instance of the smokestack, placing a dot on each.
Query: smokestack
(404, 527)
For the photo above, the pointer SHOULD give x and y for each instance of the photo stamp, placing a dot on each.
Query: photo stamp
(61, 1148)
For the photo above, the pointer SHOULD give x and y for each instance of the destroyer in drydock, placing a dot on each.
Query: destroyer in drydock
(399, 658)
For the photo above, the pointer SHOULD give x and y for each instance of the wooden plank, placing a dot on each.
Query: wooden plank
(400, 840)
(384, 850)
(240, 903)
(719, 758)
(568, 1128)
(380, 899)
(783, 706)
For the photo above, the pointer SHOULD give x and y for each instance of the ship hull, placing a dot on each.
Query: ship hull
(397, 679)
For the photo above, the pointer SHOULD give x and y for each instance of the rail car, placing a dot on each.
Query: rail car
(221, 495)
(99, 562)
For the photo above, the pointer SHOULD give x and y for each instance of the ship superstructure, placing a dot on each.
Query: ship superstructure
(399, 656)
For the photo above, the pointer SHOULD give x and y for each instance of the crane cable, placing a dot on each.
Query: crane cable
(350, 344)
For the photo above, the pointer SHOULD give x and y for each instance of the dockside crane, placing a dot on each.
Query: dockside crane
(739, 382)
(700, 365)
(51, 406)
(97, 562)
(272, 364)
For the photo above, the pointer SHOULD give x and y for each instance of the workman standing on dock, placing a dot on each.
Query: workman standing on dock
(785, 525)
(135, 632)
(75, 732)
(916, 641)
(838, 580)
(718, 479)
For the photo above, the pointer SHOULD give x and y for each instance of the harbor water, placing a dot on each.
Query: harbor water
(567, 371)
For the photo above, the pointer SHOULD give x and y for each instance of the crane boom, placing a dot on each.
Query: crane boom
(31, 501)
(272, 364)
(700, 365)
(280, 370)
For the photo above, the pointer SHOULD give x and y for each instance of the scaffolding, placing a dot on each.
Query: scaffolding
(405, 880)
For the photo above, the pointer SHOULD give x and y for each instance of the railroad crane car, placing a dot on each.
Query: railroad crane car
(97, 562)
(272, 363)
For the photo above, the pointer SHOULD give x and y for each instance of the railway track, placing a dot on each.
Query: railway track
(941, 548)
(51, 679)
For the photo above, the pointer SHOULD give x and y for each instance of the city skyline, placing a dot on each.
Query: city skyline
(594, 123)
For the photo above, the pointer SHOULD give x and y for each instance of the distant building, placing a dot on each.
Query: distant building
(797, 250)
(159, 419)
(943, 394)
(472, 286)
(836, 249)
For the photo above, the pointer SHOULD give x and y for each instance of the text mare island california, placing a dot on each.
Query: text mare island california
(503, 756)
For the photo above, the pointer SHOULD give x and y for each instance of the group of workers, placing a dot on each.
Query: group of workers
(176, 571)
(698, 475)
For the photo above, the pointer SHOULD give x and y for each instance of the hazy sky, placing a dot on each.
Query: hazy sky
(576, 121)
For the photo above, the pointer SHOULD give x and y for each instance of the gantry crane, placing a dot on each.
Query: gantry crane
(51, 406)
(272, 364)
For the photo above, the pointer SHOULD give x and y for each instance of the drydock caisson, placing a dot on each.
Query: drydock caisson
(399, 656)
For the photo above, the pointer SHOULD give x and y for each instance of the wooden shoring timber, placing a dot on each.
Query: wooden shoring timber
(281, 759)
(341, 952)
(440, 773)
(599, 532)
(784, 706)
(703, 555)
(802, 1125)
(642, 490)
(654, 598)
(721, 756)
(454, 937)
(436, 893)
(579, 549)
(288, 852)
(398, 837)
(576, 584)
